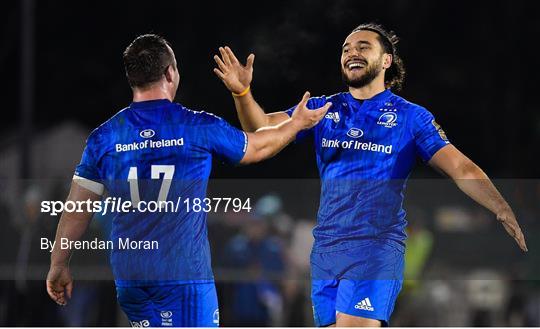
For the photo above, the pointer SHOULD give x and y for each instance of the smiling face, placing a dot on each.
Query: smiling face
(363, 59)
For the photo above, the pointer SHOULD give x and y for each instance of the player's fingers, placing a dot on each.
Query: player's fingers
(520, 239)
(523, 245)
(225, 56)
(509, 229)
(69, 289)
(219, 74)
(304, 100)
(250, 60)
(220, 63)
(322, 110)
(327, 106)
(507, 225)
(231, 55)
(61, 299)
(515, 231)
(51, 292)
(57, 296)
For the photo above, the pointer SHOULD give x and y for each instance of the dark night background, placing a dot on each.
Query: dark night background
(473, 64)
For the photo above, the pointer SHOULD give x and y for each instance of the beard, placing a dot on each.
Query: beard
(371, 72)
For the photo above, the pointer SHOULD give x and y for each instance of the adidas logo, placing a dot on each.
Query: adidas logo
(332, 116)
(365, 305)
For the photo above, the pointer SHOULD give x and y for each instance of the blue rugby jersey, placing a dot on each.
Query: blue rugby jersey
(365, 152)
(149, 142)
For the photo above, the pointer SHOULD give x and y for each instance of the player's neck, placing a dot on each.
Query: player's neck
(153, 93)
(369, 90)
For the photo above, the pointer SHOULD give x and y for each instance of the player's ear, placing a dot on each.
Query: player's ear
(387, 61)
(169, 73)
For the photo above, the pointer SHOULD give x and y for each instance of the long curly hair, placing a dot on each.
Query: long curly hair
(395, 74)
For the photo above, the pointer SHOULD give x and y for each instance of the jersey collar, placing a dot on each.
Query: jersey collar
(380, 97)
(150, 104)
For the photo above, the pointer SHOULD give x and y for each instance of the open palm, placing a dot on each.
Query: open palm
(235, 76)
(510, 224)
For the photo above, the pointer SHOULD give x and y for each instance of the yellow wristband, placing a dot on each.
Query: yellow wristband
(243, 93)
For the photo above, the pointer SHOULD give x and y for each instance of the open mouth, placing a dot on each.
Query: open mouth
(355, 65)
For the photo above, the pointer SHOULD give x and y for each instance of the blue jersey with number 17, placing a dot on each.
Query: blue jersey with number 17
(159, 150)
(365, 152)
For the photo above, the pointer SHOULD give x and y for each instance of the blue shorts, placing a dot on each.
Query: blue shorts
(182, 305)
(364, 281)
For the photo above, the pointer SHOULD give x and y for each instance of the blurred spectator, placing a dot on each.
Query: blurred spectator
(487, 293)
(417, 253)
(256, 299)
(297, 285)
(532, 310)
(515, 315)
(419, 247)
(455, 218)
(270, 207)
(532, 269)
(30, 304)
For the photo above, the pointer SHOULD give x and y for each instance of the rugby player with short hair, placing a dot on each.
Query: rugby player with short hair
(159, 150)
(366, 148)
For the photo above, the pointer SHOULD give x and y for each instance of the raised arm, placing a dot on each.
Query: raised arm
(477, 185)
(71, 226)
(268, 141)
(237, 78)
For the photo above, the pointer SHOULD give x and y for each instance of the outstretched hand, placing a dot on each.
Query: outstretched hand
(510, 224)
(59, 284)
(236, 76)
(307, 118)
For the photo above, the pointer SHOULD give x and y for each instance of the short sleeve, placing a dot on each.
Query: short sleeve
(225, 141)
(428, 135)
(87, 172)
(87, 168)
(313, 103)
